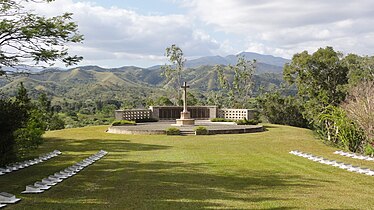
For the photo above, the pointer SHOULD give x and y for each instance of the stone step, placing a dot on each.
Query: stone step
(187, 133)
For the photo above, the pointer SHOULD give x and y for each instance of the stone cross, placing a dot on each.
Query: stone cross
(185, 86)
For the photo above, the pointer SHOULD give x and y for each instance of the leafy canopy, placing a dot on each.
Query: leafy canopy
(173, 72)
(27, 38)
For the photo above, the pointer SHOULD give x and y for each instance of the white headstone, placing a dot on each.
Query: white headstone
(8, 198)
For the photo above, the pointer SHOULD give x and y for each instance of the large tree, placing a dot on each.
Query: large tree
(30, 39)
(320, 79)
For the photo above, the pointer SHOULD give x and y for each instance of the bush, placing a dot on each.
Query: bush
(173, 131)
(123, 122)
(56, 123)
(369, 149)
(247, 122)
(335, 127)
(146, 120)
(284, 110)
(201, 130)
(221, 120)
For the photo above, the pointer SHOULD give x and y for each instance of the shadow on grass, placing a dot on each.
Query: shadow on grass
(267, 127)
(71, 145)
(116, 184)
(73, 151)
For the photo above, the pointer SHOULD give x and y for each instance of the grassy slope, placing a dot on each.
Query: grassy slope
(249, 171)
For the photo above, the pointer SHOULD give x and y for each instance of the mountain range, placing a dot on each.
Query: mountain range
(94, 82)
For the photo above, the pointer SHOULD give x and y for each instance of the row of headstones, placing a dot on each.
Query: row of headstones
(334, 163)
(52, 180)
(353, 155)
(17, 166)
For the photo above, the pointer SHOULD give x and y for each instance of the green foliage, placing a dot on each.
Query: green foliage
(248, 122)
(369, 149)
(29, 38)
(123, 122)
(163, 101)
(201, 130)
(284, 110)
(337, 128)
(237, 81)
(221, 120)
(29, 136)
(320, 79)
(173, 72)
(173, 131)
(56, 123)
(361, 69)
(12, 116)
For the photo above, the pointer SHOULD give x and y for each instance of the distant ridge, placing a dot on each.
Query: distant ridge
(265, 63)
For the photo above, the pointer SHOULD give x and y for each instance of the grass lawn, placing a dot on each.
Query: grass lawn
(242, 171)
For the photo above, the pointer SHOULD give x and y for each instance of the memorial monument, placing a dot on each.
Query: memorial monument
(185, 118)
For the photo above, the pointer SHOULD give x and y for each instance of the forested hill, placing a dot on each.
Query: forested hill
(96, 83)
(93, 82)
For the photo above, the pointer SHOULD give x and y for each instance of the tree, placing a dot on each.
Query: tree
(279, 109)
(47, 115)
(30, 39)
(173, 72)
(29, 135)
(320, 79)
(12, 117)
(361, 69)
(163, 101)
(237, 80)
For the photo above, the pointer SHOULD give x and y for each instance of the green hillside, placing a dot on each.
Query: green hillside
(92, 82)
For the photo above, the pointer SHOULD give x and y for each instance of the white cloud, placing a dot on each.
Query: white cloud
(125, 34)
(116, 36)
(290, 26)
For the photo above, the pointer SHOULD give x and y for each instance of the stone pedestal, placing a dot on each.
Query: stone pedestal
(185, 119)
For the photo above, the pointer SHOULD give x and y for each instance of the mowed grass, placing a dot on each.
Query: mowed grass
(242, 171)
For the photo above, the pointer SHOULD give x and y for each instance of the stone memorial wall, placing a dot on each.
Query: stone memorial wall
(173, 112)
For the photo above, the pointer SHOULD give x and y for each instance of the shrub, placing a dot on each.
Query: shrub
(221, 120)
(123, 122)
(173, 131)
(337, 128)
(56, 123)
(201, 130)
(284, 110)
(247, 122)
(369, 149)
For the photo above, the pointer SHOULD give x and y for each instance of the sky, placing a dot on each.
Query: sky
(136, 32)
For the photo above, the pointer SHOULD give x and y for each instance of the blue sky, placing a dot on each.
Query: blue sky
(145, 7)
(120, 33)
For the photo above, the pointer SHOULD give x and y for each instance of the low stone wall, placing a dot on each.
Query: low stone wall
(123, 130)
(160, 129)
(237, 131)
